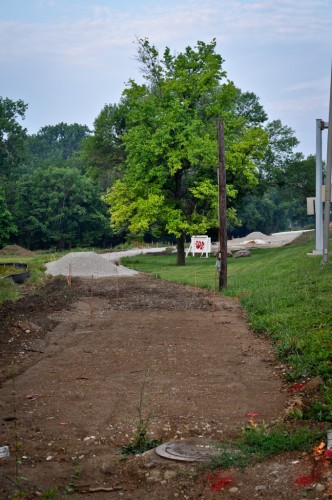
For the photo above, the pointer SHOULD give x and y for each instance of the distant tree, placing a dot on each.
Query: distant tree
(279, 154)
(59, 206)
(282, 205)
(55, 143)
(103, 152)
(12, 141)
(300, 183)
(267, 213)
(249, 107)
(12, 136)
(7, 226)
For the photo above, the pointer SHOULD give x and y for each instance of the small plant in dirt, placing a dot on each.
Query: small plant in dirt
(227, 457)
(71, 486)
(50, 494)
(141, 441)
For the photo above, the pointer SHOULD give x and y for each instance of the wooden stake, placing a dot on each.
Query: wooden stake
(69, 275)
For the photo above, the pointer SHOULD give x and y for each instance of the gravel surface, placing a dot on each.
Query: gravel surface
(86, 264)
(258, 239)
(115, 256)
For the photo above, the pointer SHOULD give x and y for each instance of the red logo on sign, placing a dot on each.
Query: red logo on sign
(199, 245)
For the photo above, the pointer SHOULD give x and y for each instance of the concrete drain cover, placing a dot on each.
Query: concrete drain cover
(188, 450)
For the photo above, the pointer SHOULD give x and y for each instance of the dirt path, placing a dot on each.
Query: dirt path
(82, 357)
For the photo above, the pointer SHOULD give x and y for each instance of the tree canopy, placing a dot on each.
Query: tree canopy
(12, 136)
(59, 207)
(168, 179)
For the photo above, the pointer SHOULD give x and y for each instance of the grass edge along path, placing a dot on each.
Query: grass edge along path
(287, 296)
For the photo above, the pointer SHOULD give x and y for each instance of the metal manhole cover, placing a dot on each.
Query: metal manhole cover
(187, 450)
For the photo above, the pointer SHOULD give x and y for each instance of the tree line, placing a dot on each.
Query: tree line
(148, 169)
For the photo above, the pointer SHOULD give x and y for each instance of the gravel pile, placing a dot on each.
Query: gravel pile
(258, 239)
(86, 264)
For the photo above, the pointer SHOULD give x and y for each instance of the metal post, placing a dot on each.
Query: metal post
(319, 201)
(326, 227)
(222, 234)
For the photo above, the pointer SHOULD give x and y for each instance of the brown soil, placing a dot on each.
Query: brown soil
(75, 361)
(16, 250)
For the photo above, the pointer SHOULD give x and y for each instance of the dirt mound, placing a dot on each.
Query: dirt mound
(257, 235)
(16, 250)
(86, 264)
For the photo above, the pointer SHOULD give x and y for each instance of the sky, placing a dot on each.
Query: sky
(68, 58)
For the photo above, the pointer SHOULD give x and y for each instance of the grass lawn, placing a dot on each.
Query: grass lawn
(287, 296)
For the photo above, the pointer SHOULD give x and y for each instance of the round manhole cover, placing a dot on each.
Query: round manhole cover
(187, 450)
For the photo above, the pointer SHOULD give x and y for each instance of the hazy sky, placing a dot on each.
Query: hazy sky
(68, 58)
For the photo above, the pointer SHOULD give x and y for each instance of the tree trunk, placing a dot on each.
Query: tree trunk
(181, 258)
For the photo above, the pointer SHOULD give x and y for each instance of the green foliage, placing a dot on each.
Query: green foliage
(286, 179)
(260, 441)
(142, 445)
(263, 441)
(7, 225)
(168, 178)
(8, 291)
(55, 142)
(228, 457)
(12, 137)
(267, 213)
(50, 494)
(279, 154)
(103, 151)
(59, 206)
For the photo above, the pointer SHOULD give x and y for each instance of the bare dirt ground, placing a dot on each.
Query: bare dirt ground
(74, 362)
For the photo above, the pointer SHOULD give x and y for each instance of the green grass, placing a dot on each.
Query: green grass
(287, 296)
(260, 442)
(36, 266)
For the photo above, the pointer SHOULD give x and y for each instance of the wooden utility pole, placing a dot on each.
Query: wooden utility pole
(222, 232)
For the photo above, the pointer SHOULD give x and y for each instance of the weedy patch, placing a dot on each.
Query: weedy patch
(71, 486)
(141, 441)
(260, 441)
(50, 494)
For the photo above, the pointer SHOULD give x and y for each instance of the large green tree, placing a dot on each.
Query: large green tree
(168, 180)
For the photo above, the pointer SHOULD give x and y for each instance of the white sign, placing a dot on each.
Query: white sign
(311, 206)
(200, 245)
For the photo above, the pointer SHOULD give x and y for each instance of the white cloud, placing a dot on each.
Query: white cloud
(106, 29)
(318, 85)
(278, 49)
